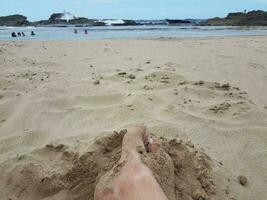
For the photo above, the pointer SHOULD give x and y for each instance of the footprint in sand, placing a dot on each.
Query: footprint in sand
(256, 66)
(205, 100)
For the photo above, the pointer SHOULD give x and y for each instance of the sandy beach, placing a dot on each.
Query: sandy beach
(57, 97)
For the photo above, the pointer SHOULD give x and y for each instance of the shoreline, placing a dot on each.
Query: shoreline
(130, 33)
(136, 38)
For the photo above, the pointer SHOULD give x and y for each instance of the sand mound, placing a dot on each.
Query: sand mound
(182, 171)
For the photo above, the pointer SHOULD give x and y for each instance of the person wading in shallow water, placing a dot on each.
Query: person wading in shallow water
(135, 180)
(13, 34)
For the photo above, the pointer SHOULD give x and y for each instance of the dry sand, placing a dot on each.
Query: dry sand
(56, 97)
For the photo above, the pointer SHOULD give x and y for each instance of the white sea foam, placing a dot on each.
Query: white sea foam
(109, 22)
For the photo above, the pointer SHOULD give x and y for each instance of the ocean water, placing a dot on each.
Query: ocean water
(113, 32)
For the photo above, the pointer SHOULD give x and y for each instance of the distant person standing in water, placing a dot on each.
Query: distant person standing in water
(23, 34)
(75, 31)
(19, 34)
(32, 33)
(13, 34)
(86, 31)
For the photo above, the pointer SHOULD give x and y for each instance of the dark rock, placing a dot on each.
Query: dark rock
(60, 146)
(56, 16)
(225, 86)
(85, 21)
(177, 21)
(58, 19)
(14, 20)
(97, 82)
(59, 22)
(122, 73)
(201, 82)
(128, 22)
(131, 76)
(253, 18)
(243, 180)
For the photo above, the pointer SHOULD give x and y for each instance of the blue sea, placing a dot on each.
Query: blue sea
(121, 32)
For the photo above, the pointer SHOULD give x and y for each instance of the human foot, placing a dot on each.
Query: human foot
(130, 179)
(136, 141)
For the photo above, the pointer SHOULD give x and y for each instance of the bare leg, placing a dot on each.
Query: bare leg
(134, 180)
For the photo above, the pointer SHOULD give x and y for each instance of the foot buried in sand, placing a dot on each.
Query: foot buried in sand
(123, 163)
(131, 179)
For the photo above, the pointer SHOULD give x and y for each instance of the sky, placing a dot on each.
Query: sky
(129, 9)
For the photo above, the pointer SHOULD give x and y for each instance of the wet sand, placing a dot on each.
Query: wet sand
(56, 97)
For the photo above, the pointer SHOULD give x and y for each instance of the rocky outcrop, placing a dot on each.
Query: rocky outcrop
(81, 20)
(14, 20)
(62, 16)
(253, 18)
(126, 22)
(85, 21)
(56, 16)
(177, 21)
(49, 23)
(64, 19)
